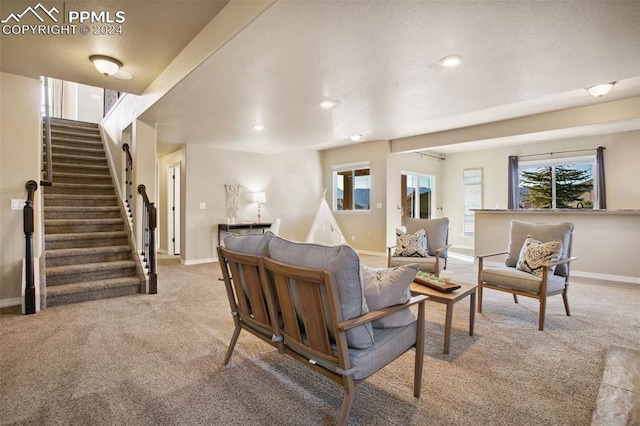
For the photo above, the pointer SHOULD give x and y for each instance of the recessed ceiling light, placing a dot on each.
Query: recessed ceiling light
(601, 89)
(258, 126)
(451, 61)
(328, 103)
(356, 138)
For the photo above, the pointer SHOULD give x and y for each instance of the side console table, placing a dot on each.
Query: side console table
(240, 227)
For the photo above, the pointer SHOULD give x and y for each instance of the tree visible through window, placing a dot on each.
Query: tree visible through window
(567, 185)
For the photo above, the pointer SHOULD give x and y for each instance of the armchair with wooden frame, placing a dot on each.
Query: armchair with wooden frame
(437, 231)
(520, 283)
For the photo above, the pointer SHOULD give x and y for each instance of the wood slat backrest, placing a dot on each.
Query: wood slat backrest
(310, 309)
(245, 289)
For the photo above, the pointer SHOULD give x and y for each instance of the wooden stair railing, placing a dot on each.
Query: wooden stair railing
(128, 179)
(27, 214)
(149, 222)
(48, 177)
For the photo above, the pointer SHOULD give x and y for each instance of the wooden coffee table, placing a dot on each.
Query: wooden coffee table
(449, 299)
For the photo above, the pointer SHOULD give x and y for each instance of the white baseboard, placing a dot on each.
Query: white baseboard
(198, 261)
(458, 256)
(13, 301)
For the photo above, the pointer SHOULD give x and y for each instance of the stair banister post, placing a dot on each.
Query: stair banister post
(153, 279)
(30, 288)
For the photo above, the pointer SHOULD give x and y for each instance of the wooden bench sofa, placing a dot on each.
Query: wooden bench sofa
(307, 301)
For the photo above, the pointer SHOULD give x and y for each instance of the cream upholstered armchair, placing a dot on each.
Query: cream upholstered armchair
(537, 264)
(434, 258)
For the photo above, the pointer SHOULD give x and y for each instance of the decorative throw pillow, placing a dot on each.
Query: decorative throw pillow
(386, 287)
(534, 253)
(411, 244)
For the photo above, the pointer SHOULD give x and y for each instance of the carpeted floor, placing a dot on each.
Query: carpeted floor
(156, 359)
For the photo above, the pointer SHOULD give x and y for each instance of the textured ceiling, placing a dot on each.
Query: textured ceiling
(153, 33)
(380, 59)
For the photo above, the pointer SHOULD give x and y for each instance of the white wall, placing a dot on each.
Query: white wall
(90, 103)
(20, 160)
(622, 156)
(292, 182)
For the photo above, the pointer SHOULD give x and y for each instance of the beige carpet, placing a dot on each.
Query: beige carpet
(156, 359)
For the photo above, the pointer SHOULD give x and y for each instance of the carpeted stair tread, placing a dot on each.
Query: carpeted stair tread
(85, 251)
(81, 167)
(106, 221)
(102, 177)
(86, 209)
(80, 188)
(75, 159)
(85, 236)
(103, 197)
(88, 286)
(92, 151)
(90, 268)
(66, 141)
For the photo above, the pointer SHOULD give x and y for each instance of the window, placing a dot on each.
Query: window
(472, 193)
(351, 187)
(417, 195)
(566, 183)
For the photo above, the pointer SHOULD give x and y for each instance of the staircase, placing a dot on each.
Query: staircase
(88, 252)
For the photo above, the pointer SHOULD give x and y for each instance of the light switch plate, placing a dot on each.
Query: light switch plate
(17, 204)
(203, 206)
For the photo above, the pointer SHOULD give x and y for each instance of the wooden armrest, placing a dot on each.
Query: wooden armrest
(559, 262)
(492, 254)
(380, 313)
(439, 249)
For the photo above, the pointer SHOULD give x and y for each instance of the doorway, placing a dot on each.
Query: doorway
(416, 196)
(173, 209)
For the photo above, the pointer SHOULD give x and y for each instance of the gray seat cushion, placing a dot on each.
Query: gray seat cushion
(543, 232)
(257, 244)
(345, 264)
(426, 264)
(514, 279)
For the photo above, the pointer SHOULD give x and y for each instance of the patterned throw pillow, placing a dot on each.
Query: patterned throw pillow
(411, 244)
(534, 253)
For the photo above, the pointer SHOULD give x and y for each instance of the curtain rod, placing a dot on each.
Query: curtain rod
(430, 155)
(559, 152)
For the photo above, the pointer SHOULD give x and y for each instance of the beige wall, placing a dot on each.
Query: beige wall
(292, 182)
(622, 156)
(20, 160)
(363, 230)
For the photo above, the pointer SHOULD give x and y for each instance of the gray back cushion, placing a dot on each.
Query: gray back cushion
(257, 244)
(437, 233)
(543, 232)
(345, 264)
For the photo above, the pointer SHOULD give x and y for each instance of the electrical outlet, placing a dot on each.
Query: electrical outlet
(353, 238)
(203, 206)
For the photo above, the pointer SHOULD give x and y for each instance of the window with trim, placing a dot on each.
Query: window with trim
(351, 187)
(472, 194)
(417, 196)
(566, 183)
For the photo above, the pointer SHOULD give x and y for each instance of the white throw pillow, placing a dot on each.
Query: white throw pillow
(408, 245)
(534, 253)
(384, 287)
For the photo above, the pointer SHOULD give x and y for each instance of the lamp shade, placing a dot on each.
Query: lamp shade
(259, 197)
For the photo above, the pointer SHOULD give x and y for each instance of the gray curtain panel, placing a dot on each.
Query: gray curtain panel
(600, 196)
(512, 202)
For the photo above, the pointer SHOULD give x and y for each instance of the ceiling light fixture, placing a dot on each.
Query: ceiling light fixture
(601, 89)
(328, 103)
(451, 61)
(106, 65)
(356, 138)
(258, 126)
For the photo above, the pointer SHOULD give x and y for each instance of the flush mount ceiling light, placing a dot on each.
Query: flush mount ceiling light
(105, 64)
(258, 126)
(451, 61)
(356, 138)
(329, 103)
(601, 89)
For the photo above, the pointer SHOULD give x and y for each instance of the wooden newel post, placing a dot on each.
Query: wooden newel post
(30, 288)
(153, 277)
